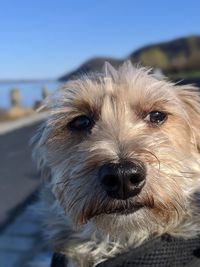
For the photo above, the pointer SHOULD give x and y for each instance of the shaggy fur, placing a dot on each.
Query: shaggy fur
(77, 210)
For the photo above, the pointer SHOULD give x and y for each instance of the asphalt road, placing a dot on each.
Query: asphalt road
(18, 175)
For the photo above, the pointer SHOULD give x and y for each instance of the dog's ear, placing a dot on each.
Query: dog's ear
(190, 99)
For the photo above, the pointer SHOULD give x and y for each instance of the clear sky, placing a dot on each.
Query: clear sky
(47, 38)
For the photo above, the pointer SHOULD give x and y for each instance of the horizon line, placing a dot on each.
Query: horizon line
(27, 80)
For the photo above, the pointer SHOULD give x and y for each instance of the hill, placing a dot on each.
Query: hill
(179, 58)
(94, 64)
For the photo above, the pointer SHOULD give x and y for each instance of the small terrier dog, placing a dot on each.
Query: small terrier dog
(119, 153)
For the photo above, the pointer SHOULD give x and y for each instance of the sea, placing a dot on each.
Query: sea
(30, 91)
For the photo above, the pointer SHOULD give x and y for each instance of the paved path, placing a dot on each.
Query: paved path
(6, 127)
(20, 230)
(21, 242)
(18, 175)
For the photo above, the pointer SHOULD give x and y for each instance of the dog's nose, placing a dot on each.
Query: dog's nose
(122, 180)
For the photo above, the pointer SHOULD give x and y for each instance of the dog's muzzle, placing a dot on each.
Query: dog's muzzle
(122, 180)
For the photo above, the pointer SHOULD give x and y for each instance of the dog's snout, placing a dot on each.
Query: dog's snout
(122, 180)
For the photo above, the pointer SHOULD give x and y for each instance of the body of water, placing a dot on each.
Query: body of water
(30, 92)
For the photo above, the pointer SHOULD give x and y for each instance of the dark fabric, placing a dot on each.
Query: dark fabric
(165, 251)
(58, 260)
(161, 252)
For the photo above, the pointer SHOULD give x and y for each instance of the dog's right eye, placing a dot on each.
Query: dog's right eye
(81, 123)
(156, 117)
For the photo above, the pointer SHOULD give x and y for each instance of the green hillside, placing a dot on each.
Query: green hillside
(174, 57)
(179, 58)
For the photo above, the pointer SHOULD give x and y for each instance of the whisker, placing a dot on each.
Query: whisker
(152, 154)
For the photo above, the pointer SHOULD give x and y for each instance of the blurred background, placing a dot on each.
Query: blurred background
(45, 43)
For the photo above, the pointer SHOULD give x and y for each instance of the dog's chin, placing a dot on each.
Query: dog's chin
(112, 208)
(123, 211)
(114, 222)
(119, 211)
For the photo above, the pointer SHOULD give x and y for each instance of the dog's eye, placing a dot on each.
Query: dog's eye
(81, 123)
(156, 117)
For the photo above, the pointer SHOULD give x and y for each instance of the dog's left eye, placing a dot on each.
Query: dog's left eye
(81, 123)
(156, 117)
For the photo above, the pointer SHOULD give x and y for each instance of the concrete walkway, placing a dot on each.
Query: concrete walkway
(20, 230)
(18, 175)
(6, 127)
(21, 242)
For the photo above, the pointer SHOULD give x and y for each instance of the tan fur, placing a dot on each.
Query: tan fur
(118, 100)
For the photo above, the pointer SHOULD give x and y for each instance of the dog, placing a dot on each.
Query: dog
(119, 156)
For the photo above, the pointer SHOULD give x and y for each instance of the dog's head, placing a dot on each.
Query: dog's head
(123, 149)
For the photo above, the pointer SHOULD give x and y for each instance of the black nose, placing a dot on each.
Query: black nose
(122, 180)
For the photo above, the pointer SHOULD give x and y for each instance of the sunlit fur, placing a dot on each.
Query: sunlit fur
(76, 207)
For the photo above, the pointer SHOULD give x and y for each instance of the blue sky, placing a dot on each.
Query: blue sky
(47, 38)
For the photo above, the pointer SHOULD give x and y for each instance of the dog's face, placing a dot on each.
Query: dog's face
(123, 150)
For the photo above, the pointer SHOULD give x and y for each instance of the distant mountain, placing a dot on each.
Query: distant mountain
(179, 58)
(178, 55)
(94, 64)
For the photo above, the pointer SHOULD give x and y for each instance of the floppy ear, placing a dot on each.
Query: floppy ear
(190, 98)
